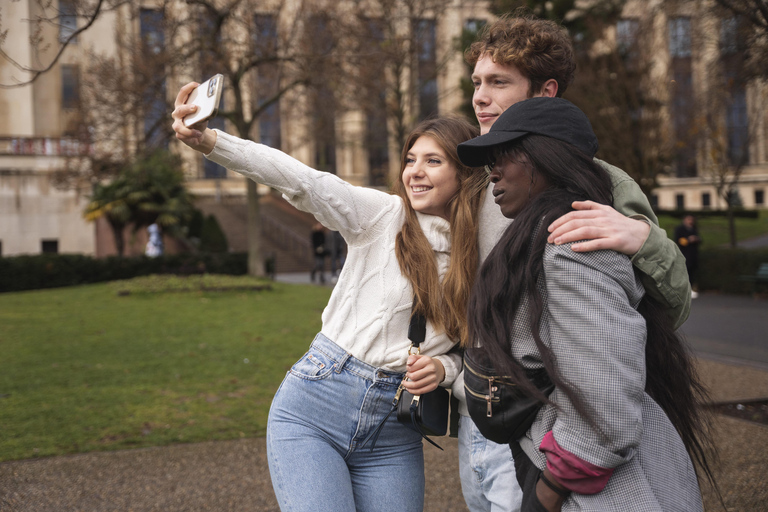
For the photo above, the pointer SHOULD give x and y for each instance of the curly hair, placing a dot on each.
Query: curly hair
(540, 49)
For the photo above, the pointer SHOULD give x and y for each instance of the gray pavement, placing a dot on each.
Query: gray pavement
(729, 328)
(727, 333)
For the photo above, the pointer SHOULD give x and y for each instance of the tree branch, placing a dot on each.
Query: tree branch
(37, 72)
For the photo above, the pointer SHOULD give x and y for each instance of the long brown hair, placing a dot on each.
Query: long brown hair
(444, 305)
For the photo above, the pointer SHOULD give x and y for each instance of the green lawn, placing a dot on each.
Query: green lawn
(85, 369)
(714, 230)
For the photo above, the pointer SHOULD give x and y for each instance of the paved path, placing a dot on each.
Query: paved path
(729, 328)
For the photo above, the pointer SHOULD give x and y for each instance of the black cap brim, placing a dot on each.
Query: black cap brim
(478, 152)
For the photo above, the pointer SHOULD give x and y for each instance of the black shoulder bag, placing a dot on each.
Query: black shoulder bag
(502, 410)
(427, 414)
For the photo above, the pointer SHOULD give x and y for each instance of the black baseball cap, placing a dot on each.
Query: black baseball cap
(552, 117)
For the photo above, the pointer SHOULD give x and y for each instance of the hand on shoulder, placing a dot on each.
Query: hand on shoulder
(603, 228)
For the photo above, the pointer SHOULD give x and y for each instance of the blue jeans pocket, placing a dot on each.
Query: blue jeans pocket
(315, 365)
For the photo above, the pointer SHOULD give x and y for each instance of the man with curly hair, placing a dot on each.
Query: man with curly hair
(521, 57)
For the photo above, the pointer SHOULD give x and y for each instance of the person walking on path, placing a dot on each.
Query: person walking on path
(688, 240)
(317, 238)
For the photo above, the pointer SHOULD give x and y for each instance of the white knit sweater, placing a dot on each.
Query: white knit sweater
(369, 310)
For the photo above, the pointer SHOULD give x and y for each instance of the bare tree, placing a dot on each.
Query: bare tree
(393, 61)
(754, 28)
(76, 18)
(725, 126)
(625, 102)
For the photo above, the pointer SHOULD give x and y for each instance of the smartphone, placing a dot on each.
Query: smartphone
(207, 97)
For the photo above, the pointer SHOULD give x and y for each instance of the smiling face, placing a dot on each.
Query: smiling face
(429, 178)
(497, 87)
(515, 182)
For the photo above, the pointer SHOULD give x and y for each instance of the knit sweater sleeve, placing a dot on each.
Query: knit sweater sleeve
(360, 214)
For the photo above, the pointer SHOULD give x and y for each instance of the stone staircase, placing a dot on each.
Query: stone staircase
(285, 230)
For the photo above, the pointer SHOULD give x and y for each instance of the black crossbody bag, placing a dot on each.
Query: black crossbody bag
(502, 410)
(427, 414)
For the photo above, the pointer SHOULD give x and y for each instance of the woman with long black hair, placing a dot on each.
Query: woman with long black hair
(623, 422)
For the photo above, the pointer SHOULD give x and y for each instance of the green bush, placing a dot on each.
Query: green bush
(721, 268)
(702, 214)
(19, 273)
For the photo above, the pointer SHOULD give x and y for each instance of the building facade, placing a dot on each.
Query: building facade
(715, 114)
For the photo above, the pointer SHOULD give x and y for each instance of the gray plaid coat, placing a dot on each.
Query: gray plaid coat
(591, 324)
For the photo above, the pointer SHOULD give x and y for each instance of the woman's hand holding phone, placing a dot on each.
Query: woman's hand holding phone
(197, 136)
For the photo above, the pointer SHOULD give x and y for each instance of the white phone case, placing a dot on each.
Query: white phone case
(207, 97)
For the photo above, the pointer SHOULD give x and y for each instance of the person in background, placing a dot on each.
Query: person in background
(338, 253)
(317, 238)
(688, 240)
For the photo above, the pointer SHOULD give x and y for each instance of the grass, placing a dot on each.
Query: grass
(714, 230)
(85, 369)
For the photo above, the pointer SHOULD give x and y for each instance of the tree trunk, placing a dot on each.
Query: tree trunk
(255, 260)
(117, 232)
(732, 226)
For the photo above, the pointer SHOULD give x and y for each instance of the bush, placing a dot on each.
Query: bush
(720, 269)
(700, 214)
(19, 273)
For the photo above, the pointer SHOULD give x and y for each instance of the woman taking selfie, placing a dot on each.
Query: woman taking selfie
(418, 242)
(619, 429)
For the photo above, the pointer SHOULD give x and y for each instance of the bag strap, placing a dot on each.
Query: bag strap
(417, 331)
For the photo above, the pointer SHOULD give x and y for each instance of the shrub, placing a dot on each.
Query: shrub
(721, 268)
(19, 273)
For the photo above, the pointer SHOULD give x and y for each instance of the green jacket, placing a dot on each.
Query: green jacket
(659, 260)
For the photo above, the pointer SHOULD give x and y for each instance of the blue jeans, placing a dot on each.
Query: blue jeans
(487, 472)
(327, 404)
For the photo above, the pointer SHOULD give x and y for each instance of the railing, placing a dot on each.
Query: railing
(44, 146)
(286, 238)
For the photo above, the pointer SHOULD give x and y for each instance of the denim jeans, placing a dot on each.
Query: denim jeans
(487, 472)
(326, 406)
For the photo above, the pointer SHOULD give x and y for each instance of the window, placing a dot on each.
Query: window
(70, 86)
(424, 32)
(680, 37)
(474, 25)
(759, 197)
(152, 33)
(737, 126)
(267, 78)
(680, 201)
(67, 21)
(49, 246)
(706, 200)
(729, 31)
(324, 100)
(655, 201)
(626, 35)
(682, 96)
(376, 129)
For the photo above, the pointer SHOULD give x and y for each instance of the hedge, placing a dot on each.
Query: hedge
(19, 273)
(721, 268)
(739, 212)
